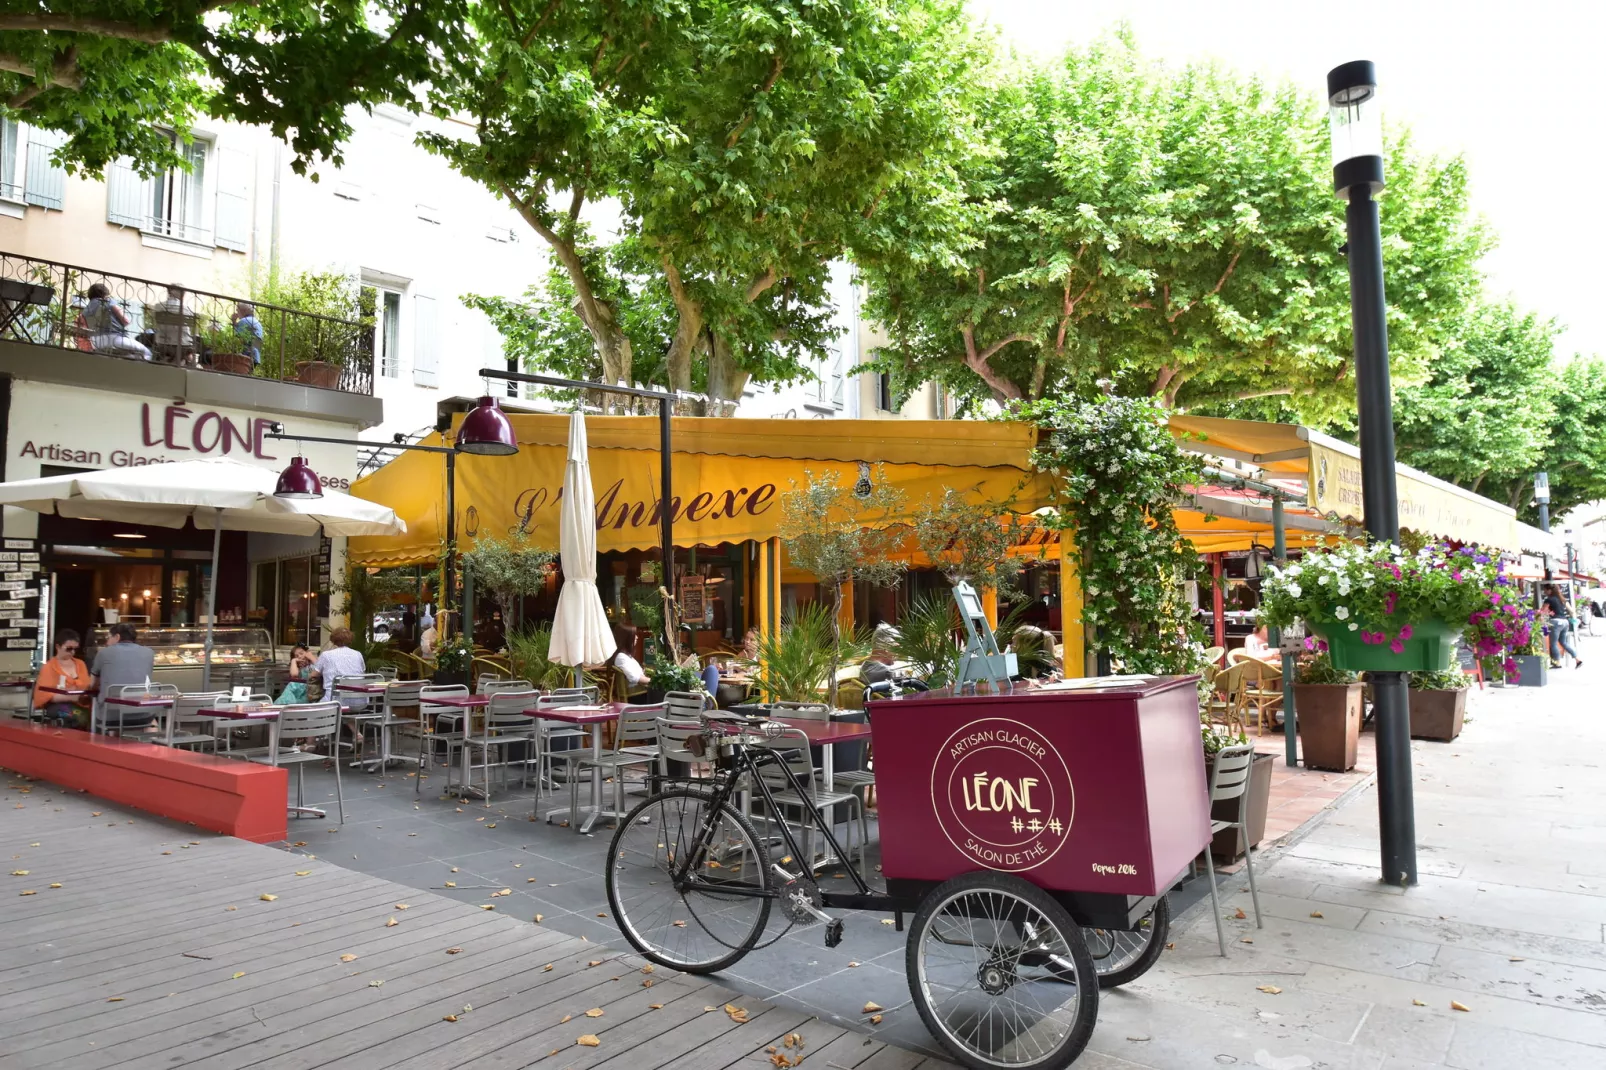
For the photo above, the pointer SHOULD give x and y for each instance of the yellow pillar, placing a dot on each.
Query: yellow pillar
(989, 606)
(767, 596)
(1075, 638)
(844, 617)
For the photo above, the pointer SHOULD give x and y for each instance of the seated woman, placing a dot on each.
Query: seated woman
(108, 325)
(64, 672)
(1257, 647)
(300, 670)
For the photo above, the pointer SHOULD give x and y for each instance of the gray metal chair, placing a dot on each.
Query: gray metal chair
(189, 711)
(495, 685)
(1229, 779)
(635, 743)
(399, 696)
(504, 724)
(548, 733)
(302, 727)
(123, 719)
(361, 714)
(437, 724)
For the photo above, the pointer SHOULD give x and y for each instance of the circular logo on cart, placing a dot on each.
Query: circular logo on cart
(1002, 794)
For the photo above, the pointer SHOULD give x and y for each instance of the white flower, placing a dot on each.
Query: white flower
(1343, 586)
(1342, 612)
(1353, 626)
(1294, 590)
(1295, 569)
(1325, 578)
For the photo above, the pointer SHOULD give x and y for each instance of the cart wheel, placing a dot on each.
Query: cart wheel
(719, 912)
(1121, 956)
(988, 960)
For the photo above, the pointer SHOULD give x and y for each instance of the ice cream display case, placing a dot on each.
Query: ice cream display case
(181, 652)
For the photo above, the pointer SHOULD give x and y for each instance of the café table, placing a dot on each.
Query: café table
(592, 717)
(253, 713)
(468, 704)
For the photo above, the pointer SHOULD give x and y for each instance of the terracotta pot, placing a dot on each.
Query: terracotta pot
(233, 363)
(1438, 715)
(318, 373)
(1228, 845)
(1329, 724)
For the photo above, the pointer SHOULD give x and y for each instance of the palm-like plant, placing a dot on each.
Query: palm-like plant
(528, 653)
(927, 640)
(796, 663)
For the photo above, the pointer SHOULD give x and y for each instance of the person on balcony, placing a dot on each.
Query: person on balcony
(108, 325)
(249, 329)
(175, 341)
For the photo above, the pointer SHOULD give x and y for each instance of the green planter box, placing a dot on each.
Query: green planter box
(1431, 648)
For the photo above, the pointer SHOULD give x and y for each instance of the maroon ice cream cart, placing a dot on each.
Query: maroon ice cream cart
(1031, 832)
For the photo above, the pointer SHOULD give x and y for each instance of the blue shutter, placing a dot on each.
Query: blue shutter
(233, 198)
(128, 200)
(46, 183)
(425, 342)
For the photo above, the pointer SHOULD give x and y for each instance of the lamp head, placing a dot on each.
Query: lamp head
(298, 481)
(1355, 127)
(486, 431)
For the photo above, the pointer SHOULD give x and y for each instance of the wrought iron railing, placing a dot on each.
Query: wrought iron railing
(46, 303)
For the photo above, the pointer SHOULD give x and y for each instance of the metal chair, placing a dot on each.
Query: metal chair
(399, 696)
(189, 709)
(793, 749)
(305, 725)
(1229, 779)
(361, 714)
(504, 723)
(389, 672)
(231, 728)
(549, 732)
(497, 685)
(121, 718)
(635, 743)
(437, 723)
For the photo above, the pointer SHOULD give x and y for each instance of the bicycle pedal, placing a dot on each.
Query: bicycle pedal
(833, 932)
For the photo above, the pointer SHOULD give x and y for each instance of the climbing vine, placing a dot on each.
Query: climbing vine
(1119, 474)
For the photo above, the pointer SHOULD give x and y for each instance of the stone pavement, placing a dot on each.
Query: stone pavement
(1508, 920)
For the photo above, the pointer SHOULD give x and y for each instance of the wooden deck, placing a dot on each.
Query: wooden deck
(136, 944)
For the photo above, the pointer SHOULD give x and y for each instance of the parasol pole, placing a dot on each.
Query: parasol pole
(211, 598)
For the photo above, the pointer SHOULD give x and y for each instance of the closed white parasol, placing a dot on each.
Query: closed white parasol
(580, 632)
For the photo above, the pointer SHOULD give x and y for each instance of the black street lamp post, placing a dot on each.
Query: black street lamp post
(1358, 178)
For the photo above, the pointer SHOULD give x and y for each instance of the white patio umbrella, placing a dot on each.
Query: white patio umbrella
(215, 493)
(580, 632)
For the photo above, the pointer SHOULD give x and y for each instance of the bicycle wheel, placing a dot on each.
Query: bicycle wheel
(718, 912)
(1001, 975)
(1121, 956)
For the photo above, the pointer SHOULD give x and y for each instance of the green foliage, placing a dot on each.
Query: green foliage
(1172, 230)
(1119, 473)
(454, 655)
(1378, 590)
(1033, 647)
(508, 569)
(108, 73)
(1449, 680)
(368, 591)
(1218, 738)
(1485, 412)
(1574, 452)
(666, 676)
(1318, 668)
(747, 146)
(528, 655)
(800, 661)
(332, 332)
(971, 542)
(927, 638)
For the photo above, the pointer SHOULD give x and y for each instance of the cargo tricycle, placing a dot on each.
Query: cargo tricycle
(1030, 835)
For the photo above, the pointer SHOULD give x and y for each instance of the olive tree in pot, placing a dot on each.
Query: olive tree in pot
(1228, 844)
(1329, 704)
(1438, 704)
(315, 346)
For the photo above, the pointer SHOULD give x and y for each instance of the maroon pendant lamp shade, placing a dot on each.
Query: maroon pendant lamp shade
(486, 431)
(298, 481)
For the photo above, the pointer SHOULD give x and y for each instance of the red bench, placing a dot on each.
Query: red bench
(221, 794)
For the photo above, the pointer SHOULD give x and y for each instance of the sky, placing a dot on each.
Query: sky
(1515, 87)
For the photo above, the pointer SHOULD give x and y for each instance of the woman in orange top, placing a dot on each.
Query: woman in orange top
(66, 672)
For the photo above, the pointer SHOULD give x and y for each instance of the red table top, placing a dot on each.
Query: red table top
(143, 701)
(66, 691)
(467, 702)
(243, 713)
(828, 733)
(363, 689)
(578, 714)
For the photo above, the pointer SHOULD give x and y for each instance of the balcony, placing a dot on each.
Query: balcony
(48, 304)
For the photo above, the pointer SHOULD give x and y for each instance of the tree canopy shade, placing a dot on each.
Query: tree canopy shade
(1485, 412)
(746, 145)
(109, 73)
(1173, 232)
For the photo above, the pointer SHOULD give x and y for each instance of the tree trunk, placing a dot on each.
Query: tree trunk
(726, 381)
(688, 328)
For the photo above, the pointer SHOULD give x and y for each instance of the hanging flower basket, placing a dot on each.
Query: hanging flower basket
(1426, 646)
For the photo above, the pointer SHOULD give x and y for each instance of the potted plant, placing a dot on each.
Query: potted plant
(1502, 629)
(1531, 667)
(318, 329)
(1380, 608)
(528, 656)
(453, 659)
(666, 676)
(224, 349)
(1329, 703)
(1438, 704)
(1228, 844)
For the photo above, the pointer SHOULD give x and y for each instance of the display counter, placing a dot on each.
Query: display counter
(180, 653)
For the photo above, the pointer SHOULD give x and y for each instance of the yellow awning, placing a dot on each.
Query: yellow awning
(1331, 472)
(728, 475)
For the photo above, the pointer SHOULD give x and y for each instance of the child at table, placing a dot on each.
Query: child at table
(64, 672)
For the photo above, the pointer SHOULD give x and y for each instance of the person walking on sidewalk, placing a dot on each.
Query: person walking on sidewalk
(1561, 627)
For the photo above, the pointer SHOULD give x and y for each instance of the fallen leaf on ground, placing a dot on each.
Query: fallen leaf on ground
(30, 891)
(602, 915)
(875, 1019)
(647, 983)
(1315, 913)
(594, 962)
(707, 1009)
(94, 813)
(588, 1041)
(57, 885)
(1171, 947)
(19, 873)
(887, 921)
(115, 999)
(565, 1018)
(655, 1006)
(1239, 914)
(348, 958)
(1270, 990)
(1246, 940)
(547, 968)
(852, 965)
(449, 1018)
(167, 852)
(231, 908)
(504, 891)
(375, 984)
(401, 906)
(594, 1012)
(451, 884)
(1418, 1003)
(492, 825)
(793, 1040)
(518, 865)
(239, 975)
(737, 1014)
(529, 880)
(266, 898)
(454, 869)
(487, 906)
(680, 925)
(1456, 1005)
(454, 950)
(1516, 959)
(871, 1008)
(538, 918)
(299, 843)
(391, 923)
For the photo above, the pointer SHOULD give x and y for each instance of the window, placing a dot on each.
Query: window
(384, 305)
(177, 198)
(27, 169)
(827, 389)
(10, 172)
(426, 344)
(883, 392)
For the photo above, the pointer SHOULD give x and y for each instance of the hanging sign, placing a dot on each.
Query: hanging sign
(693, 598)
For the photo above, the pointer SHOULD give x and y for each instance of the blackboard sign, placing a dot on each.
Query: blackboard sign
(1464, 655)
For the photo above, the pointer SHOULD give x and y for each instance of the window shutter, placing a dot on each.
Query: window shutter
(127, 195)
(45, 184)
(425, 342)
(233, 198)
